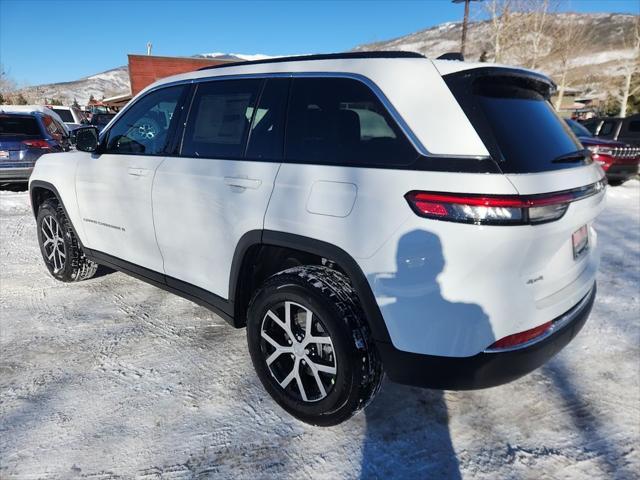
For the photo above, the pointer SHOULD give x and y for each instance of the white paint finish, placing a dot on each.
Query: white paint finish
(453, 289)
(380, 207)
(59, 170)
(413, 85)
(557, 180)
(335, 199)
(201, 208)
(115, 191)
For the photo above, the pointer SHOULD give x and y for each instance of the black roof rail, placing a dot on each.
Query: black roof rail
(323, 56)
(451, 56)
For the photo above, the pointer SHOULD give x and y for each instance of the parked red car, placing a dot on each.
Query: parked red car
(619, 160)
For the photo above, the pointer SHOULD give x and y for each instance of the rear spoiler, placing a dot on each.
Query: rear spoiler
(534, 80)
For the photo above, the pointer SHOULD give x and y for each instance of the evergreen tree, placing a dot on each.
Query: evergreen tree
(75, 103)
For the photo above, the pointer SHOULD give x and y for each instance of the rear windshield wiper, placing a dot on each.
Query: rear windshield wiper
(572, 156)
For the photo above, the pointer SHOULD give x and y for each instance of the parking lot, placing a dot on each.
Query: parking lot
(113, 378)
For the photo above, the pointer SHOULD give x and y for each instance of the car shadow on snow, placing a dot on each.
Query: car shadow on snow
(407, 428)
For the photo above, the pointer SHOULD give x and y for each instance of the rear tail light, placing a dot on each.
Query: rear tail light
(497, 209)
(36, 143)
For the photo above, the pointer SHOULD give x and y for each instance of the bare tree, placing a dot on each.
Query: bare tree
(536, 17)
(7, 84)
(631, 66)
(571, 38)
(501, 19)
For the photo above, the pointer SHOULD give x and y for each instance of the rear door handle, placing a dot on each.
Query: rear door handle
(138, 172)
(242, 182)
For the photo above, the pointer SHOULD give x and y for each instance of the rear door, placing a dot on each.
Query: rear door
(114, 185)
(218, 188)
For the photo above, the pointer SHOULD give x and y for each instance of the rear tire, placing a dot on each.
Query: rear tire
(59, 246)
(615, 183)
(311, 347)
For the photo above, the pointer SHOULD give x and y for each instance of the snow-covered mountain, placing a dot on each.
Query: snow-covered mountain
(597, 67)
(105, 84)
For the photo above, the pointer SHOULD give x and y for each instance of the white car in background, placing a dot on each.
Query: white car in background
(359, 213)
(71, 116)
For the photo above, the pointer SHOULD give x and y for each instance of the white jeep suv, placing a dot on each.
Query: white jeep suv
(359, 213)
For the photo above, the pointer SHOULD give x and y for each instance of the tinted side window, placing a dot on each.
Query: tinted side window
(606, 129)
(341, 121)
(219, 120)
(634, 126)
(144, 127)
(267, 129)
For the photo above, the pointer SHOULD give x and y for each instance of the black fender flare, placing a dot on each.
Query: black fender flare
(322, 249)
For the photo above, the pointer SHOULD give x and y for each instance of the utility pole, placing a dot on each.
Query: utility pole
(465, 22)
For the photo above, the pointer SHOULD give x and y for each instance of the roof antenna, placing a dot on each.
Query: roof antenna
(149, 45)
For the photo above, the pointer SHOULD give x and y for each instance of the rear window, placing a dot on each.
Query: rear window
(65, 115)
(515, 121)
(18, 125)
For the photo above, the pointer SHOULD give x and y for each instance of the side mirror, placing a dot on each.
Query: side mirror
(86, 139)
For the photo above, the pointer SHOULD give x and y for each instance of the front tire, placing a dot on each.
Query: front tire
(59, 246)
(311, 347)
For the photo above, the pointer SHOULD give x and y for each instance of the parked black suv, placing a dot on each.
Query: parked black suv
(626, 130)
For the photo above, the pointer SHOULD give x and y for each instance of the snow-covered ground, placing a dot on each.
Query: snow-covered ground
(113, 378)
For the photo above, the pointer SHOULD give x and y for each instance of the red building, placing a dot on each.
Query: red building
(146, 69)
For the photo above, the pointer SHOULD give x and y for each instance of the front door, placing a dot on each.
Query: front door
(218, 189)
(114, 185)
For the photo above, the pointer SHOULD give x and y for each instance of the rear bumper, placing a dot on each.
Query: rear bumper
(486, 369)
(21, 174)
(621, 171)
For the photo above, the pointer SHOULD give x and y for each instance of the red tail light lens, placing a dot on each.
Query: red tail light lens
(521, 337)
(36, 143)
(497, 209)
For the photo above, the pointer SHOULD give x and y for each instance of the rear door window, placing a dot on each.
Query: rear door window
(341, 121)
(219, 120)
(266, 137)
(516, 122)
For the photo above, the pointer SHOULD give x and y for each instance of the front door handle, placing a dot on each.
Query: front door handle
(242, 182)
(138, 172)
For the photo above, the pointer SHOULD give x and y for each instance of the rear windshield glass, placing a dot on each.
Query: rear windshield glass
(65, 115)
(517, 124)
(16, 125)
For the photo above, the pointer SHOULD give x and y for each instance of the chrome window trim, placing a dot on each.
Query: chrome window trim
(404, 127)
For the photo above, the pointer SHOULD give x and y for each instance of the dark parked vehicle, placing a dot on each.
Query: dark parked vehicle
(24, 137)
(618, 159)
(626, 130)
(101, 120)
